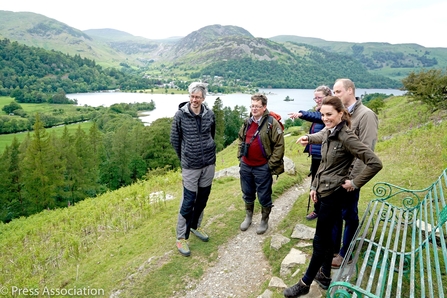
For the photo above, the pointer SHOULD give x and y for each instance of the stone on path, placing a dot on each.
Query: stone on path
(294, 258)
(303, 232)
(278, 241)
(277, 282)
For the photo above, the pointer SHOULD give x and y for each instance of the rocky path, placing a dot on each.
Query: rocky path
(241, 267)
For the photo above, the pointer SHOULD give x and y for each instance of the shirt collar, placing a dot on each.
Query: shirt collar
(256, 121)
(351, 107)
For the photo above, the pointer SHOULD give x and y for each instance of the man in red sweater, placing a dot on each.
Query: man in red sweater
(261, 153)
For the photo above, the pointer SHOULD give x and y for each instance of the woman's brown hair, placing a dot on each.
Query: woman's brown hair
(336, 103)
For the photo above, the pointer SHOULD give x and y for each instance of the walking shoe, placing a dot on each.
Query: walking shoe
(183, 247)
(322, 280)
(200, 233)
(337, 260)
(312, 215)
(296, 290)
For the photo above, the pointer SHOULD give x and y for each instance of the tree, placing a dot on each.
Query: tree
(376, 105)
(219, 138)
(233, 122)
(8, 109)
(42, 171)
(10, 196)
(429, 87)
(158, 149)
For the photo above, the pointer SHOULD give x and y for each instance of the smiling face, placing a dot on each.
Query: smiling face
(196, 99)
(330, 116)
(318, 98)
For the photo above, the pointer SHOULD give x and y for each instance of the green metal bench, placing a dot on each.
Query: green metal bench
(399, 249)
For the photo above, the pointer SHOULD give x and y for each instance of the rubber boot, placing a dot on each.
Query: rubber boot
(248, 216)
(264, 225)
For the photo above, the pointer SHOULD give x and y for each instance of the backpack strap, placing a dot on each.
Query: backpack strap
(256, 133)
(270, 122)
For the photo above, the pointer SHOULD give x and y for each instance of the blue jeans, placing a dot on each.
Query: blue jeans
(350, 215)
(328, 214)
(256, 180)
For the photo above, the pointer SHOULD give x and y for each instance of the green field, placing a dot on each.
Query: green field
(6, 139)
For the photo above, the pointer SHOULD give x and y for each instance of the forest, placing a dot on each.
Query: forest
(35, 75)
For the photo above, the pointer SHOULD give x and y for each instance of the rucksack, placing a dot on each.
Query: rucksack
(277, 117)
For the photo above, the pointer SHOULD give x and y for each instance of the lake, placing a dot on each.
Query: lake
(167, 104)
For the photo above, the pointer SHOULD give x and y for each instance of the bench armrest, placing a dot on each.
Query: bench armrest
(399, 196)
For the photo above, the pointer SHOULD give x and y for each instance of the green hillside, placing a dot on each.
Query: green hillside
(124, 240)
(395, 61)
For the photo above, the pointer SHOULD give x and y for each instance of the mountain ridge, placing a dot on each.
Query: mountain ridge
(179, 57)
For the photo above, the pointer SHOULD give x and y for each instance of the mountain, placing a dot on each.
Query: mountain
(393, 60)
(37, 30)
(280, 61)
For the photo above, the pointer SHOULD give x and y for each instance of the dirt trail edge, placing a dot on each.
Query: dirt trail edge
(241, 266)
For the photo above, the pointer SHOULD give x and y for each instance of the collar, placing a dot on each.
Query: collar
(351, 108)
(256, 121)
(337, 128)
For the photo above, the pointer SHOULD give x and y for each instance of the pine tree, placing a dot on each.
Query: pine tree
(220, 124)
(42, 171)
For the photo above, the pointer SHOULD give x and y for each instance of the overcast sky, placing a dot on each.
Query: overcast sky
(393, 21)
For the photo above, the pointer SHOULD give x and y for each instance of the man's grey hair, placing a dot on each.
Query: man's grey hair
(198, 86)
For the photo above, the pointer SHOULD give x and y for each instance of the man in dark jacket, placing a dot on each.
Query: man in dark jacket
(192, 136)
(261, 152)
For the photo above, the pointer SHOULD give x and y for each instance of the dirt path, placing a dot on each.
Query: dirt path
(242, 267)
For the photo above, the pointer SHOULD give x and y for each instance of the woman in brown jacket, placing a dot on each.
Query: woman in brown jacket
(330, 186)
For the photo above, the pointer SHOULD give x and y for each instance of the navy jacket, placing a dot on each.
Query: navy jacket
(317, 124)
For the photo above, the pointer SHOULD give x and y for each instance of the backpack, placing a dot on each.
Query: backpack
(277, 117)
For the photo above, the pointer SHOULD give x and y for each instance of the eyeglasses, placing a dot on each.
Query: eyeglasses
(319, 98)
(195, 97)
(255, 107)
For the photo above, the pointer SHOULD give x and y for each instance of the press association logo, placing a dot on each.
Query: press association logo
(4, 290)
(49, 292)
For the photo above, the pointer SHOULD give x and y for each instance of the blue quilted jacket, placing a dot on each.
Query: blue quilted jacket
(317, 124)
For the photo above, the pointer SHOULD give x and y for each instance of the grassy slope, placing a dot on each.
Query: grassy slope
(121, 242)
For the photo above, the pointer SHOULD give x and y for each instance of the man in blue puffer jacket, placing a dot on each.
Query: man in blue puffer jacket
(314, 150)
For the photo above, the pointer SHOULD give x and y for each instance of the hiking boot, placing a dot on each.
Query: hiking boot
(200, 233)
(312, 216)
(248, 217)
(296, 290)
(183, 247)
(264, 225)
(322, 280)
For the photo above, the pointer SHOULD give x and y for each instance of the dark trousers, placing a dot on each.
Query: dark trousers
(350, 215)
(330, 210)
(315, 163)
(256, 180)
(196, 191)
